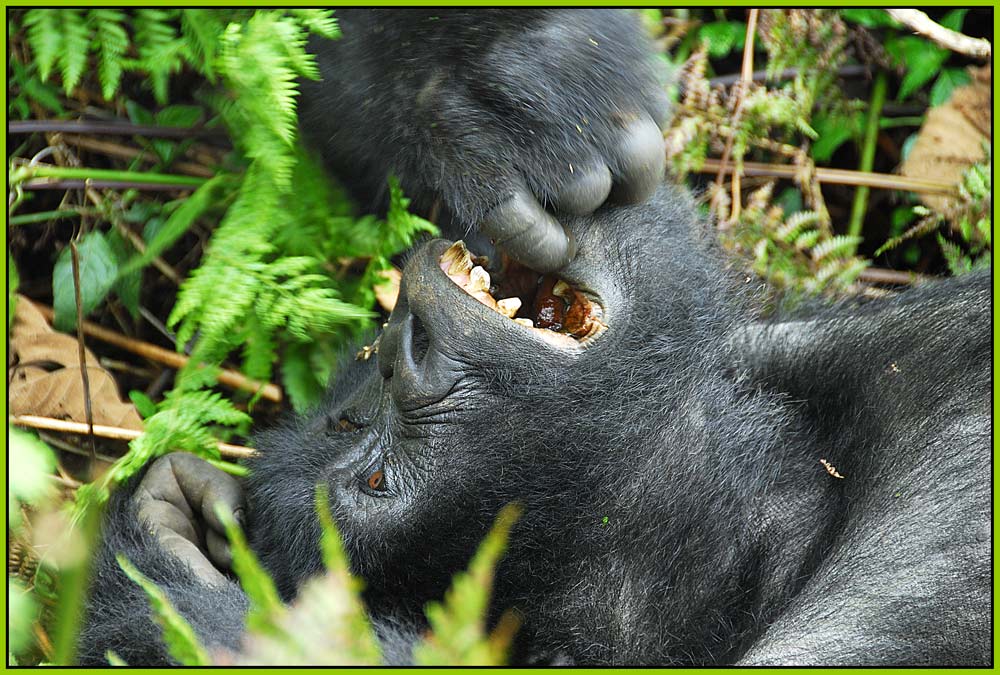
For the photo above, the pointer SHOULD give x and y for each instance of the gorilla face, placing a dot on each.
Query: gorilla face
(467, 408)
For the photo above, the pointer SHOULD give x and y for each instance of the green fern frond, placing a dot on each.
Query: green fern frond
(45, 38)
(319, 21)
(75, 47)
(840, 246)
(203, 29)
(160, 49)
(111, 43)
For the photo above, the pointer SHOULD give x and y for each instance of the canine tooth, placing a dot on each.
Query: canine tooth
(525, 322)
(457, 258)
(479, 280)
(509, 306)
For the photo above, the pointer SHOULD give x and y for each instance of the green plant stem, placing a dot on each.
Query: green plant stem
(73, 583)
(109, 174)
(46, 216)
(860, 205)
(892, 122)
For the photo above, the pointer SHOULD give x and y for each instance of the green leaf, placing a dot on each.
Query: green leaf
(112, 42)
(722, 37)
(142, 403)
(946, 83)
(179, 116)
(180, 221)
(22, 612)
(32, 461)
(870, 18)
(319, 21)
(266, 607)
(458, 633)
(127, 285)
(98, 270)
(954, 19)
(922, 60)
(834, 130)
(182, 642)
(45, 38)
(76, 44)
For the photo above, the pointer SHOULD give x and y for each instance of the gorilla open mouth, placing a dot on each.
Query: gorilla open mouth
(545, 304)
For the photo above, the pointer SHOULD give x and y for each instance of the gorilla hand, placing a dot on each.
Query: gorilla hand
(494, 114)
(177, 499)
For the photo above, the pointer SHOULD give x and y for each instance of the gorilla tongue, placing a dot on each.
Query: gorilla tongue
(534, 301)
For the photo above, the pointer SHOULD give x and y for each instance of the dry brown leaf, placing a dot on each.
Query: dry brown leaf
(387, 292)
(44, 375)
(951, 138)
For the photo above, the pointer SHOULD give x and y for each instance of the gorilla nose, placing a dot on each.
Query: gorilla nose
(419, 336)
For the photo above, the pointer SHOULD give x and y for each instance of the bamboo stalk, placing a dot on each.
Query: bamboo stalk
(115, 433)
(230, 378)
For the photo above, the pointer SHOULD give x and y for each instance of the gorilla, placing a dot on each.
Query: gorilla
(699, 486)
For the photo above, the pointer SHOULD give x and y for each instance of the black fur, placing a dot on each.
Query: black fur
(696, 431)
(675, 508)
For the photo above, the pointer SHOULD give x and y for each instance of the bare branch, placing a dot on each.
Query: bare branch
(978, 48)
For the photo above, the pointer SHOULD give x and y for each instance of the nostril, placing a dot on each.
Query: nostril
(419, 340)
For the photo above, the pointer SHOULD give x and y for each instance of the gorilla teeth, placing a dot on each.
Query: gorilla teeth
(552, 305)
(457, 260)
(479, 281)
(509, 306)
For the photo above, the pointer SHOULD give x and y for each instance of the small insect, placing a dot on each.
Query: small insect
(830, 468)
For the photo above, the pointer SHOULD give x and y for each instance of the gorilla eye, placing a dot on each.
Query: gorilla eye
(345, 425)
(376, 480)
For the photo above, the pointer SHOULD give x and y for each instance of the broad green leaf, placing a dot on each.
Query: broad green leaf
(98, 271)
(833, 131)
(949, 80)
(953, 20)
(127, 284)
(181, 640)
(870, 18)
(921, 59)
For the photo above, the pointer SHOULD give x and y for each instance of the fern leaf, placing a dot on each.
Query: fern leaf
(839, 246)
(178, 635)
(458, 623)
(45, 39)
(319, 21)
(160, 49)
(76, 45)
(204, 30)
(111, 42)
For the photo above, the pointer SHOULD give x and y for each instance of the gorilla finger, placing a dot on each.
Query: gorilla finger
(640, 161)
(163, 517)
(585, 192)
(160, 484)
(184, 550)
(219, 550)
(525, 231)
(204, 486)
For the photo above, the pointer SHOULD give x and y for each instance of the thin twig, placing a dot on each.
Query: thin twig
(978, 48)
(878, 275)
(111, 128)
(125, 152)
(116, 433)
(230, 378)
(82, 350)
(882, 181)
